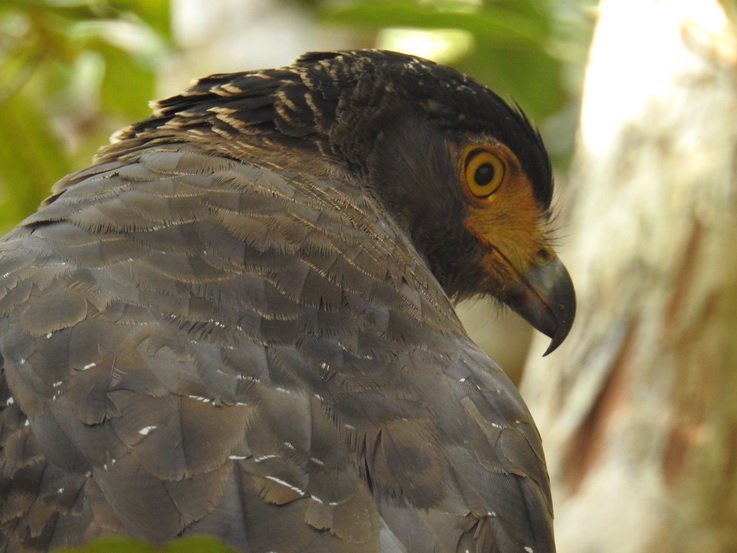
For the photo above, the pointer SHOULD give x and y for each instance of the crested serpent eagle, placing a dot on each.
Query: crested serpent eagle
(238, 321)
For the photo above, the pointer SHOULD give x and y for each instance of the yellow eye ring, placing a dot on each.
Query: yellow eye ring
(483, 172)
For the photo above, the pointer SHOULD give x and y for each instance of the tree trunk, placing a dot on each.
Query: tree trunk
(638, 409)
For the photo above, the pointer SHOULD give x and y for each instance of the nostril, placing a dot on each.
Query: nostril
(544, 256)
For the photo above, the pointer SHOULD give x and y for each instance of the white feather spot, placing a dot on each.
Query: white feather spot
(528, 549)
(289, 445)
(89, 366)
(57, 384)
(10, 401)
(285, 484)
(236, 457)
(200, 398)
(317, 461)
(49, 335)
(264, 458)
(147, 429)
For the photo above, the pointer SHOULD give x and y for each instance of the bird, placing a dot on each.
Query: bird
(239, 320)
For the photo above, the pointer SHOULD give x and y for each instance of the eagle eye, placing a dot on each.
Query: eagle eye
(483, 172)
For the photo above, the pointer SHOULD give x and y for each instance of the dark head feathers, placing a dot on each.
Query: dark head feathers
(317, 98)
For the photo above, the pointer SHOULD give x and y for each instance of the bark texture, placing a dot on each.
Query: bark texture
(638, 409)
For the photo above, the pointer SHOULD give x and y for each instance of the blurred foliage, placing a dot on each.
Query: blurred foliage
(70, 72)
(125, 544)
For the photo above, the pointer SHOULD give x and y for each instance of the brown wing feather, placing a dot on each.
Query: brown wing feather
(194, 344)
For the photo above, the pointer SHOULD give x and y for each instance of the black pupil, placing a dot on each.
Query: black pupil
(484, 174)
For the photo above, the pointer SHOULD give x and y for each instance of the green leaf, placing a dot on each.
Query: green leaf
(31, 159)
(126, 544)
(520, 21)
(155, 13)
(126, 86)
(527, 75)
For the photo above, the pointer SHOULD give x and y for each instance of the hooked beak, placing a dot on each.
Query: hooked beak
(545, 298)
